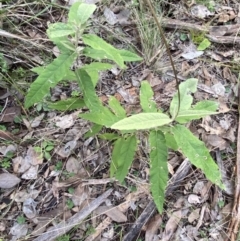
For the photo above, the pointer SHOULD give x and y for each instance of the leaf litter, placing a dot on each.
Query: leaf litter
(200, 209)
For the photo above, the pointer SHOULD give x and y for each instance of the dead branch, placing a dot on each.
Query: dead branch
(64, 227)
(216, 34)
(235, 220)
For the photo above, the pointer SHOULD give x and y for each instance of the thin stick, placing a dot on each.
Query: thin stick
(235, 220)
(148, 2)
(64, 227)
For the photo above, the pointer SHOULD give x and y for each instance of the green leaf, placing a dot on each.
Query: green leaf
(146, 98)
(206, 105)
(97, 66)
(85, 11)
(158, 168)
(57, 30)
(90, 98)
(197, 153)
(95, 54)
(93, 69)
(73, 13)
(64, 44)
(94, 76)
(51, 75)
(186, 88)
(70, 75)
(188, 115)
(142, 121)
(93, 131)
(101, 117)
(38, 69)
(109, 136)
(99, 44)
(122, 157)
(68, 104)
(170, 141)
(99, 114)
(117, 109)
(129, 56)
(204, 44)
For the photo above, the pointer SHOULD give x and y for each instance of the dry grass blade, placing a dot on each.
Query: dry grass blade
(6, 34)
(235, 221)
(64, 227)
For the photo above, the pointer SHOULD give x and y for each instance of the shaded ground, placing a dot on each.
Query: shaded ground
(72, 172)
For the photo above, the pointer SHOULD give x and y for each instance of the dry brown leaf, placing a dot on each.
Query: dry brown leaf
(66, 150)
(198, 187)
(36, 121)
(152, 227)
(8, 180)
(110, 16)
(73, 165)
(29, 208)
(218, 89)
(35, 158)
(112, 212)
(223, 18)
(194, 215)
(5, 135)
(10, 113)
(31, 173)
(98, 230)
(215, 141)
(81, 193)
(127, 96)
(171, 225)
(66, 121)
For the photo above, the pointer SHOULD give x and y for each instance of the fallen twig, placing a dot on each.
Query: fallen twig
(234, 224)
(216, 34)
(64, 227)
